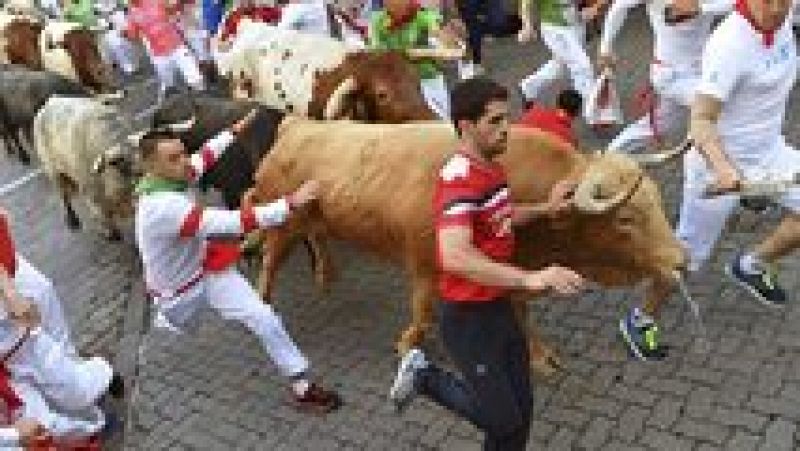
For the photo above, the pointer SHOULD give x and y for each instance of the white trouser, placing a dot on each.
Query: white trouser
(67, 381)
(118, 51)
(230, 294)
(436, 94)
(702, 220)
(180, 60)
(199, 42)
(568, 53)
(48, 359)
(675, 89)
(33, 285)
(61, 425)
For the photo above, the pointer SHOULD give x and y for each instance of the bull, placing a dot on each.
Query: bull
(22, 94)
(19, 40)
(71, 50)
(83, 146)
(319, 77)
(377, 186)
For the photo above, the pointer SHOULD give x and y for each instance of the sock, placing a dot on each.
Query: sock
(750, 264)
(300, 384)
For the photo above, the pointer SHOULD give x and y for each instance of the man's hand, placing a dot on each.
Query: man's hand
(23, 312)
(307, 192)
(728, 180)
(562, 280)
(28, 430)
(242, 124)
(560, 199)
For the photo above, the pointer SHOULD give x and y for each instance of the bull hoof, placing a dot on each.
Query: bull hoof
(545, 361)
(73, 223)
(113, 235)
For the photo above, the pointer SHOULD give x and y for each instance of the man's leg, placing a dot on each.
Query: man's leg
(572, 52)
(232, 296)
(165, 72)
(489, 350)
(669, 116)
(57, 424)
(533, 85)
(190, 70)
(753, 270)
(70, 382)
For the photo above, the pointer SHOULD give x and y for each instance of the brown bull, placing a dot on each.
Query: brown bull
(22, 43)
(376, 191)
(73, 52)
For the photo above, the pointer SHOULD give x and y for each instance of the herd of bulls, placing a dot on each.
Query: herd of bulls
(356, 122)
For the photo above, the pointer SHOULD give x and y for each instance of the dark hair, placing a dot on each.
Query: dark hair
(570, 101)
(469, 99)
(149, 142)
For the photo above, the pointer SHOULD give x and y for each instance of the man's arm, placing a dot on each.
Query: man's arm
(705, 113)
(196, 221)
(208, 155)
(460, 257)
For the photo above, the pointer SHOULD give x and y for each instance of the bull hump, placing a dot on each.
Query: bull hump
(57, 30)
(288, 62)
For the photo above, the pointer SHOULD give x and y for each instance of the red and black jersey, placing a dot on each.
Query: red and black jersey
(474, 194)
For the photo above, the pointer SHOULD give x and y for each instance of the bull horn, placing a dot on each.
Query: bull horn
(181, 126)
(656, 158)
(119, 94)
(585, 198)
(136, 138)
(335, 103)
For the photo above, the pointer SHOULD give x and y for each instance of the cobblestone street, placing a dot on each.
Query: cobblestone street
(213, 388)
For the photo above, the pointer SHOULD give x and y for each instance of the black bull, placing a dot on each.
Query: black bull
(22, 93)
(232, 175)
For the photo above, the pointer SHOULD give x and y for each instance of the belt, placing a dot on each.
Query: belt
(155, 295)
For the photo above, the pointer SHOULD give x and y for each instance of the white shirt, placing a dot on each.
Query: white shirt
(753, 83)
(309, 16)
(678, 45)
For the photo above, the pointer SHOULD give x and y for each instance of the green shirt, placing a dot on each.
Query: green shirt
(80, 11)
(412, 35)
(558, 12)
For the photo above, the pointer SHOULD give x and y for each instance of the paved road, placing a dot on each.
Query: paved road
(213, 389)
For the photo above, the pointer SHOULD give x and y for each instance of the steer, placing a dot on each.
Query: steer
(317, 76)
(83, 146)
(19, 40)
(72, 51)
(22, 93)
(377, 186)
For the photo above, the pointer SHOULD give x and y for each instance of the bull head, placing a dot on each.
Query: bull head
(597, 193)
(337, 101)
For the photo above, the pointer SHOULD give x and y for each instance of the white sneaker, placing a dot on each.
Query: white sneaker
(403, 390)
(468, 70)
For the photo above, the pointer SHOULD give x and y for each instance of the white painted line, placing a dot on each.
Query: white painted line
(11, 187)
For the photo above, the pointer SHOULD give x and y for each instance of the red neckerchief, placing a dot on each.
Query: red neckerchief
(8, 395)
(396, 23)
(744, 11)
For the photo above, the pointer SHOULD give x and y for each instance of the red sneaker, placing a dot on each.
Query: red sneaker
(316, 400)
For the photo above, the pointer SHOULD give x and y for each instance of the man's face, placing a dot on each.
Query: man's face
(490, 132)
(770, 14)
(170, 160)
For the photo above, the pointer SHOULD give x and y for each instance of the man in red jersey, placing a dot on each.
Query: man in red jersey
(475, 242)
